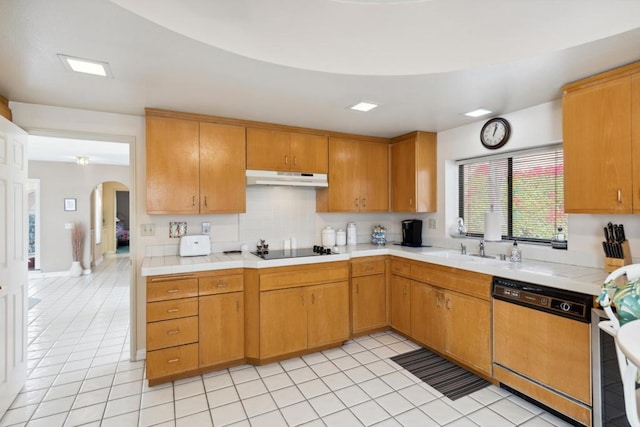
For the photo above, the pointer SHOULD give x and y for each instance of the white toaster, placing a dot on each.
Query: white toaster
(195, 245)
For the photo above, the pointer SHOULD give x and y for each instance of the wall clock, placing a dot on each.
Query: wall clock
(495, 133)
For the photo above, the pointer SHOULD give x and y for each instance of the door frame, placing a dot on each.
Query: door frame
(133, 224)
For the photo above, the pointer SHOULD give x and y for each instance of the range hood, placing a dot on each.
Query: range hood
(293, 179)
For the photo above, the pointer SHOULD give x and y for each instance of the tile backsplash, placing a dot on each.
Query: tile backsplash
(275, 214)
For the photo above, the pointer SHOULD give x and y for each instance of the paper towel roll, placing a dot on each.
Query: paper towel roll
(492, 226)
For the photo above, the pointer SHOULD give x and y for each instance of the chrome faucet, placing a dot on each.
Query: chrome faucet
(482, 247)
(463, 249)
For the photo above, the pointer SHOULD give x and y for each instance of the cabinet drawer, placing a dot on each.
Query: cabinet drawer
(174, 360)
(401, 268)
(221, 284)
(168, 333)
(312, 275)
(172, 309)
(463, 281)
(161, 289)
(365, 268)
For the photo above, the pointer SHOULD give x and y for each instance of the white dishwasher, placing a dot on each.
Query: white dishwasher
(542, 346)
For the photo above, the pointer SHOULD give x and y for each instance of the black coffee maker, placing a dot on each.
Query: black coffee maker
(412, 232)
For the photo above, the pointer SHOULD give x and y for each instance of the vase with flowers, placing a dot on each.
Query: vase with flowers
(77, 246)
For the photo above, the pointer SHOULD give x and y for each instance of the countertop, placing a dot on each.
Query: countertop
(561, 276)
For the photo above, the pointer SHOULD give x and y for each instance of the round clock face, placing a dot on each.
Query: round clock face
(495, 133)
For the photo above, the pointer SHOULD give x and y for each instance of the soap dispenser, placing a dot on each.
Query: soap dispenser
(516, 252)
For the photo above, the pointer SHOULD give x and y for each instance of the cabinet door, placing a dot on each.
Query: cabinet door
(172, 166)
(427, 315)
(283, 322)
(345, 175)
(369, 302)
(222, 168)
(375, 190)
(268, 150)
(597, 148)
(403, 177)
(221, 328)
(401, 304)
(308, 153)
(635, 139)
(468, 322)
(328, 318)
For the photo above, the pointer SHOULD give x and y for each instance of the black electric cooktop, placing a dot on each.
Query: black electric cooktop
(289, 253)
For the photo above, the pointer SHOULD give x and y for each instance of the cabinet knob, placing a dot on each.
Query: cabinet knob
(222, 284)
(173, 310)
(404, 290)
(619, 196)
(205, 201)
(173, 360)
(355, 202)
(410, 201)
(286, 160)
(364, 203)
(173, 332)
(357, 288)
(295, 160)
(437, 300)
(193, 201)
(447, 303)
(172, 291)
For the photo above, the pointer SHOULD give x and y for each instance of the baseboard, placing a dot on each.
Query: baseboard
(141, 354)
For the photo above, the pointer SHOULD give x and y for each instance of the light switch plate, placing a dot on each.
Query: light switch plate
(432, 224)
(206, 227)
(147, 230)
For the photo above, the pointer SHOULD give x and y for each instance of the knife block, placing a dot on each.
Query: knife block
(612, 264)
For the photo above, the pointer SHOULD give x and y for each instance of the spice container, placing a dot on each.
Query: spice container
(379, 235)
(341, 237)
(352, 235)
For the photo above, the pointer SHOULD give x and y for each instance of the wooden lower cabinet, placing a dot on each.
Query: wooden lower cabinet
(427, 323)
(221, 328)
(401, 304)
(295, 310)
(195, 322)
(445, 309)
(368, 294)
(328, 314)
(283, 322)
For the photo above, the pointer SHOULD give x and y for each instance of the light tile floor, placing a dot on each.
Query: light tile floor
(80, 374)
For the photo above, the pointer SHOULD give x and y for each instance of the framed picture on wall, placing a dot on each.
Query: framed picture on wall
(70, 204)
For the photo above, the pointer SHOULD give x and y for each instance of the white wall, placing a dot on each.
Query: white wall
(532, 127)
(59, 181)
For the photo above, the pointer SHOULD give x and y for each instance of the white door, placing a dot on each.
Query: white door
(13, 262)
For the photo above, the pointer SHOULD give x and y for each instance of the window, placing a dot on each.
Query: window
(526, 188)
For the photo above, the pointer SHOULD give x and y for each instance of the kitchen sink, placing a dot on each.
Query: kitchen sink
(457, 256)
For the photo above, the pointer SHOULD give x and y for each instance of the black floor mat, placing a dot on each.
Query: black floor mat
(448, 378)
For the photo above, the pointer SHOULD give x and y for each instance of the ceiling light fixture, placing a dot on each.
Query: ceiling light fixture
(86, 66)
(82, 160)
(363, 106)
(477, 113)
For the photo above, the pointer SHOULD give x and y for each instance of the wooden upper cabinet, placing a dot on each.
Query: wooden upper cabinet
(172, 165)
(309, 153)
(601, 140)
(286, 151)
(414, 173)
(222, 168)
(194, 167)
(358, 177)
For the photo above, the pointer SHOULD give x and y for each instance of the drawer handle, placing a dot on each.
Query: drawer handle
(173, 360)
(172, 291)
(368, 268)
(173, 332)
(173, 310)
(222, 284)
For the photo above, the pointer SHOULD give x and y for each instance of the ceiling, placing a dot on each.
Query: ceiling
(301, 63)
(54, 149)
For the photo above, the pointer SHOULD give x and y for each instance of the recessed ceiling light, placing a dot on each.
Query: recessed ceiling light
(363, 106)
(82, 160)
(86, 66)
(477, 113)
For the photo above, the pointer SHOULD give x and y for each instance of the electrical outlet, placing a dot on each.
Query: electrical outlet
(432, 224)
(147, 230)
(206, 227)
